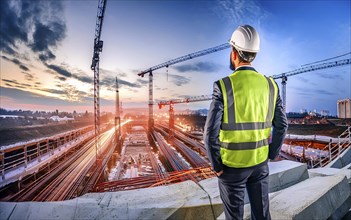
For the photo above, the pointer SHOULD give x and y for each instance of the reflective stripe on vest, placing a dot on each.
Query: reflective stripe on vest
(249, 101)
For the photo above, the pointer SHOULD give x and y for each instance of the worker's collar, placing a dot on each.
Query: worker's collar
(245, 67)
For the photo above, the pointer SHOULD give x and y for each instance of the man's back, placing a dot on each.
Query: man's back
(245, 105)
(249, 100)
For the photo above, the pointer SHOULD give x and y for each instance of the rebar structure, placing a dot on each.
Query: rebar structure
(95, 67)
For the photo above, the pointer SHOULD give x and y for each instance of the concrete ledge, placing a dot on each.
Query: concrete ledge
(315, 198)
(186, 200)
(286, 173)
(151, 203)
(282, 174)
(329, 172)
(342, 160)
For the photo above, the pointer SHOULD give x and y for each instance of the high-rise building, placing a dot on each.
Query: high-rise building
(344, 108)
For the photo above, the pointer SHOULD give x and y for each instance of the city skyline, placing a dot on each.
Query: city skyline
(47, 46)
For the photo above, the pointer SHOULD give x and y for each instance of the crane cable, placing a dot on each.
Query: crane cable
(327, 59)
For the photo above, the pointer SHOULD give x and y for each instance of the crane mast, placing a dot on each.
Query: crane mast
(98, 43)
(118, 114)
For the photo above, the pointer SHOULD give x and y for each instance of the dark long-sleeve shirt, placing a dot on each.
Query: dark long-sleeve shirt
(214, 121)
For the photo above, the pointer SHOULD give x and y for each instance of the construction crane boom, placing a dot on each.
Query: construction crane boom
(185, 100)
(313, 68)
(169, 63)
(184, 58)
(98, 43)
(284, 76)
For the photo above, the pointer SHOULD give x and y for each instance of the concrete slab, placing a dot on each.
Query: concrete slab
(42, 211)
(347, 167)
(6, 209)
(285, 173)
(184, 200)
(342, 160)
(282, 175)
(329, 172)
(314, 198)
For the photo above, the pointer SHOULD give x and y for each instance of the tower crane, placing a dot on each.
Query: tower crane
(284, 76)
(179, 101)
(98, 43)
(172, 62)
(118, 114)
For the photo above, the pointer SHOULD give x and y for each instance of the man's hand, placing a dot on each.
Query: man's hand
(219, 173)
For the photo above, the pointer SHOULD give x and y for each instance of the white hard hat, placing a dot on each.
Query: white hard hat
(245, 38)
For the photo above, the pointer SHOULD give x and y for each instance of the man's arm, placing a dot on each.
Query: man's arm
(212, 128)
(280, 126)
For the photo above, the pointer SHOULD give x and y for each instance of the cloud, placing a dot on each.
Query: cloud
(26, 97)
(110, 82)
(45, 56)
(240, 12)
(143, 81)
(17, 62)
(108, 79)
(36, 24)
(202, 67)
(53, 91)
(179, 80)
(312, 91)
(64, 74)
(332, 75)
(59, 70)
(14, 84)
(28, 76)
(61, 78)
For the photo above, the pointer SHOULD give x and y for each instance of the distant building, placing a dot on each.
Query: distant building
(344, 108)
(303, 110)
(57, 118)
(324, 112)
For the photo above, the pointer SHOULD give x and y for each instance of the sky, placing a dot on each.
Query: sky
(47, 46)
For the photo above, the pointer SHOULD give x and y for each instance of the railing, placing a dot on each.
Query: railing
(23, 153)
(334, 149)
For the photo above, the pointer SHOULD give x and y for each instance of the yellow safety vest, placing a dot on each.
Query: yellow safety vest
(249, 103)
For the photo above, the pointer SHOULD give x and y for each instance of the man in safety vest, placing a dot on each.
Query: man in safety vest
(245, 105)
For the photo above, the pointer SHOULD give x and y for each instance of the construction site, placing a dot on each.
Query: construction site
(154, 165)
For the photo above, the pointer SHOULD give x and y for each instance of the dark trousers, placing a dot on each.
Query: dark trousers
(232, 184)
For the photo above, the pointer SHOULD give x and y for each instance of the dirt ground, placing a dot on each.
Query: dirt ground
(26, 133)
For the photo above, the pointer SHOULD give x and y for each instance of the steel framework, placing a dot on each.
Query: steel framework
(118, 114)
(179, 101)
(284, 76)
(98, 43)
(169, 63)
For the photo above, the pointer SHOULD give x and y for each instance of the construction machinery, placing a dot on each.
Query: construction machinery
(169, 63)
(171, 104)
(98, 43)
